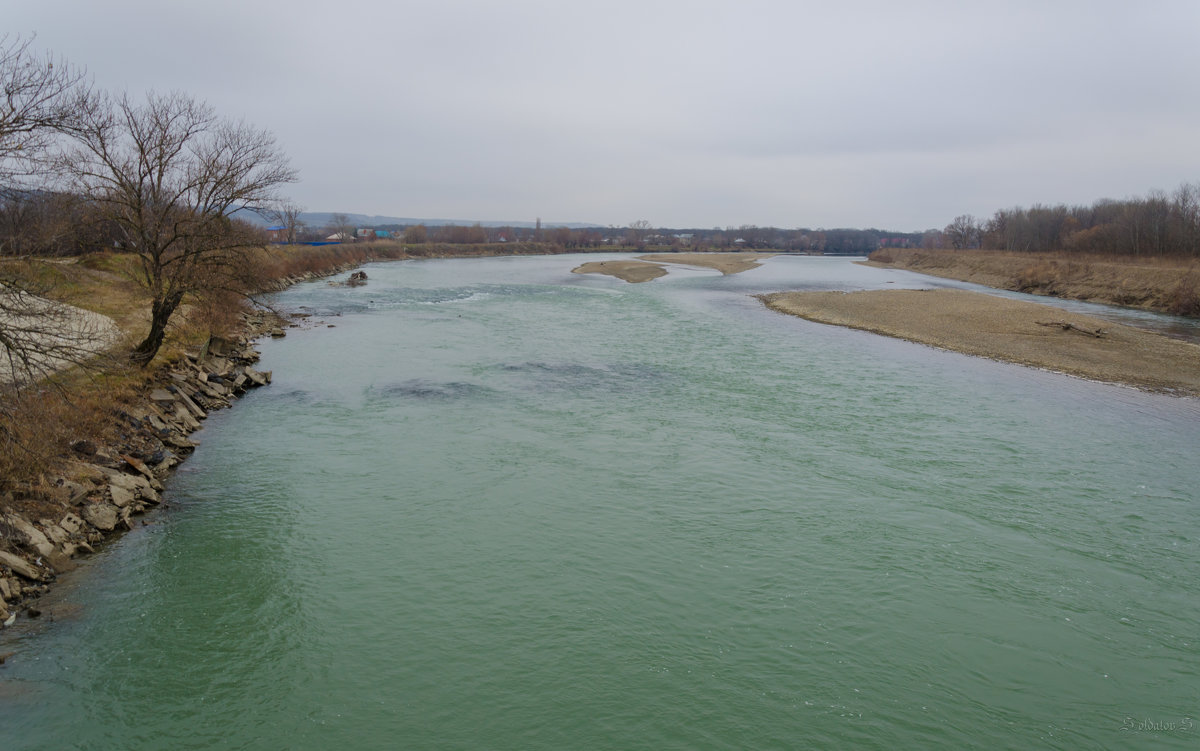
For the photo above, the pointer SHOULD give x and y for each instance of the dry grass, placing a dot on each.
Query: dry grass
(38, 426)
(1169, 285)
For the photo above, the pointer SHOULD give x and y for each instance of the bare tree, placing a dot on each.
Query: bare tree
(287, 215)
(37, 97)
(37, 100)
(963, 232)
(341, 228)
(416, 234)
(38, 222)
(169, 175)
(638, 230)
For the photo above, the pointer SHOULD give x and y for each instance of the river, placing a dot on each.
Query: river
(489, 504)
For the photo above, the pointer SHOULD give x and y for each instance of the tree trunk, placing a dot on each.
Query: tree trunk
(160, 314)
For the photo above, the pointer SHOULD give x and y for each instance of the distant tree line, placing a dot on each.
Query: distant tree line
(1156, 225)
(641, 234)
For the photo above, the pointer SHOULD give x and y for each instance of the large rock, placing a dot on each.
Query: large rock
(185, 417)
(102, 516)
(139, 485)
(145, 471)
(71, 524)
(28, 535)
(60, 562)
(74, 491)
(156, 421)
(260, 379)
(20, 566)
(194, 408)
(55, 533)
(121, 497)
(218, 366)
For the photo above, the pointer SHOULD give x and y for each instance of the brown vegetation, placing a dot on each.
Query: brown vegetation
(1165, 284)
(1155, 226)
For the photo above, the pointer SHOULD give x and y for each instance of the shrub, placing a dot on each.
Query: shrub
(1184, 297)
(1040, 278)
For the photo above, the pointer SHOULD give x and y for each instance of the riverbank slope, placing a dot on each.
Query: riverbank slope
(1165, 285)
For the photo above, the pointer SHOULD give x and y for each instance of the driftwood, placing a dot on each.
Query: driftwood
(1065, 326)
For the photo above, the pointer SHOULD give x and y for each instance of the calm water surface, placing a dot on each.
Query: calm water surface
(501, 506)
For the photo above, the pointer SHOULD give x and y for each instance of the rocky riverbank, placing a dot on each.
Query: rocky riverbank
(102, 488)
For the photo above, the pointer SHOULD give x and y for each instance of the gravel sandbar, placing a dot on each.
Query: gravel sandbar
(1010, 330)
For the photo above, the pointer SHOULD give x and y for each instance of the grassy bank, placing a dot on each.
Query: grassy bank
(1167, 285)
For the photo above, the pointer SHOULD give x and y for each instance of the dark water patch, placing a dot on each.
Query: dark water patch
(559, 376)
(422, 389)
(410, 296)
(288, 396)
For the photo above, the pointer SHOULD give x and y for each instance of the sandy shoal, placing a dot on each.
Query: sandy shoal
(1002, 329)
(726, 263)
(645, 268)
(630, 270)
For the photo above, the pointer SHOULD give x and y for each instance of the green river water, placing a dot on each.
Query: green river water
(501, 506)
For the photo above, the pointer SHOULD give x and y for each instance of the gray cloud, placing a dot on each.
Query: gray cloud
(900, 115)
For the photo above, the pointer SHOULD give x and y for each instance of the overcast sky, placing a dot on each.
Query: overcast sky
(898, 115)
